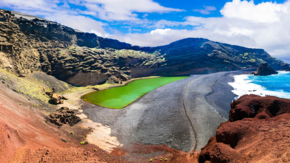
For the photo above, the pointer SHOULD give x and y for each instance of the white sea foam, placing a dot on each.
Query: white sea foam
(243, 86)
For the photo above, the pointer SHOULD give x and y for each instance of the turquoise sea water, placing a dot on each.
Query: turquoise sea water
(274, 85)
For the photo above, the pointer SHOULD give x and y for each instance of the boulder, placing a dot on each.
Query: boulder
(113, 80)
(96, 89)
(264, 69)
(64, 116)
(124, 77)
(55, 98)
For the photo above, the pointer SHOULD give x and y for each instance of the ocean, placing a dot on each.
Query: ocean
(274, 85)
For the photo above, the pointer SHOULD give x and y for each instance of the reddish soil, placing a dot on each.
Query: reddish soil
(25, 136)
(160, 153)
(24, 133)
(258, 131)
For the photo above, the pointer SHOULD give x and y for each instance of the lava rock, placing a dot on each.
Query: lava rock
(64, 116)
(55, 98)
(257, 128)
(264, 69)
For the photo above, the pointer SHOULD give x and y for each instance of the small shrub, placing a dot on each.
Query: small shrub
(150, 159)
(95, 150)
(72, 132)
(83, 143)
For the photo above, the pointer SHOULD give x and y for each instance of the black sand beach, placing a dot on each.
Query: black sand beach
(164, 115)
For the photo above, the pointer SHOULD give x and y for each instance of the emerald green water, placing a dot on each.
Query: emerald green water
(119, 97)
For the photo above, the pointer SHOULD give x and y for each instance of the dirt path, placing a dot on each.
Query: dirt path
(191, 123)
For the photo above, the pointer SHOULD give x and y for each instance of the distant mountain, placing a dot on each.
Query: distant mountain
(33, 44)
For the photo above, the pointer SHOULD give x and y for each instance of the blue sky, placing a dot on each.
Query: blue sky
(250, 23)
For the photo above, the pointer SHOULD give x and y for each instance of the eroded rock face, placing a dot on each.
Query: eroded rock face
(258, 131)
(64, 116)
(264, 69)
(28, 45)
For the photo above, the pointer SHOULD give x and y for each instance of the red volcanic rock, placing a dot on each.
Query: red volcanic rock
(258, 131)
(250, 106)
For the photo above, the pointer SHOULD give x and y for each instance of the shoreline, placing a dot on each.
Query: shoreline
(149, 119)
(75, 94)
(243, 86)
(138, 96)
(101, 134)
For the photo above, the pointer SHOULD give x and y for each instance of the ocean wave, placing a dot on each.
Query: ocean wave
(243, 85)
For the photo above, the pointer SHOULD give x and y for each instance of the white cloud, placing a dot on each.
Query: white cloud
(243, 23)
(206, 10)
(111, 10)
(108, 10)
(54, 11)
(81, 23)
(267, 12)
(40, 6)
(165, 23)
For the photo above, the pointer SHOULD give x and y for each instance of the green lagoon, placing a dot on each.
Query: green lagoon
(119, 97)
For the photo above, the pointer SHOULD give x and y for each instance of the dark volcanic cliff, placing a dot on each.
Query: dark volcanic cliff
(83, 58)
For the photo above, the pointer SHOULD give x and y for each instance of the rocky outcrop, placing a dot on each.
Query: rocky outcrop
(264, 69)
(63, 116)
(113, 80)
(55, 98)
(258, 131)
(34, 44)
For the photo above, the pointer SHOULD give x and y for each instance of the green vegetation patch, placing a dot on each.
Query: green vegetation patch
(119, 97)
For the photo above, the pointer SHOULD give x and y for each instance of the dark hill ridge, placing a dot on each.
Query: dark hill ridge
(80, 58)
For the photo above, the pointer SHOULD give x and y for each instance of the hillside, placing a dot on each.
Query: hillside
(29, 45)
